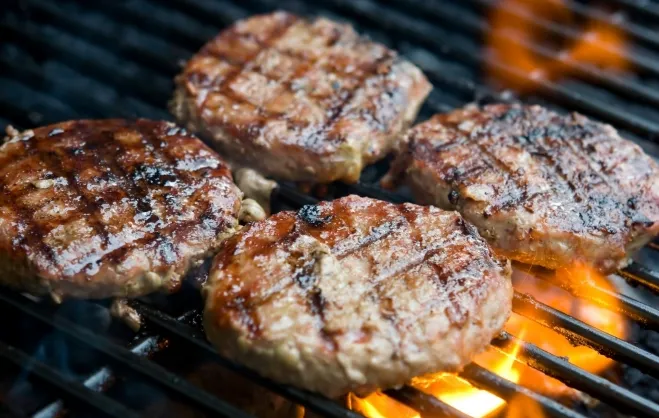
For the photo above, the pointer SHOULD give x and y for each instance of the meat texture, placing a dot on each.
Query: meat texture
(543, 188)
(356, 294)
(101, 208)
(298, 100)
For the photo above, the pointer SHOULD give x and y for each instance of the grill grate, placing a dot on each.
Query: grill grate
(101, 59)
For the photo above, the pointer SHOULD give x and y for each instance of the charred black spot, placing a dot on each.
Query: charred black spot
(305, 281)
(143, 205)
(154, 175)
(632, 203)
(467, 228)
(312, 215)
(55, 131)
(318, 303)
(453, 197)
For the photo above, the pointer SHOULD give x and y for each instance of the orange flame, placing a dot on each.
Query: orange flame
(514, 40)
(449, 388)
(581, 278)
(522, 407)
(468, 399)
(379, 405)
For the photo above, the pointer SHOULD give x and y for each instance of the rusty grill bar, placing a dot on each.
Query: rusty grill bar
(117, 59)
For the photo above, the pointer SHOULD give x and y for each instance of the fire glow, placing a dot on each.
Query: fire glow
(474, 402)
(516, 40)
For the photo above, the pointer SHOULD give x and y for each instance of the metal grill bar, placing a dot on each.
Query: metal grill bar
(580, 333)
(505, 389)
(640, 62)
(577, 378)
(642, 275)
(64, 385)
(214, 12)
(645, 315)
(22, 68)
(463, 19)
(129, 46)
(171, 327)
(97, 380)
(642, 35)
(428, 405)
(171, 27)
(124, 358)
(463, 50)
(124, 76)
(29, 101)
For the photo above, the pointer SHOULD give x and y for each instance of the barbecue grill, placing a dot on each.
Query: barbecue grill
(76, 59)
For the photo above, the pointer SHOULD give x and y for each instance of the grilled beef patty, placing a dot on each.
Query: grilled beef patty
(356, 294)
(298, 100)
(543, 188)
(101, 208)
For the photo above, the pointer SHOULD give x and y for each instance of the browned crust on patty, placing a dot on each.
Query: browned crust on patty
(543, 188)
(100, 208)
(356, 294)
(297, 99)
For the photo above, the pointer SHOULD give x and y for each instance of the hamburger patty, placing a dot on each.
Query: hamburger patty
(356, 294)
(101, 208)
(543, 188)
(298, 100)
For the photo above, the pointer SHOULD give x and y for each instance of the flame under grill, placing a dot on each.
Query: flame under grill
(75, 59)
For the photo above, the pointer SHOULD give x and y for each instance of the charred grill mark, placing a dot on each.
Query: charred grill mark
(513, 197)
(63, 165)
(336, 111)
(32, 237)
(222, 87)
(305, 278)
(454, 310)
(311, 214)
(164, 176)
(376, 233)
(138, 194)
(558, 131)
(586, 157)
